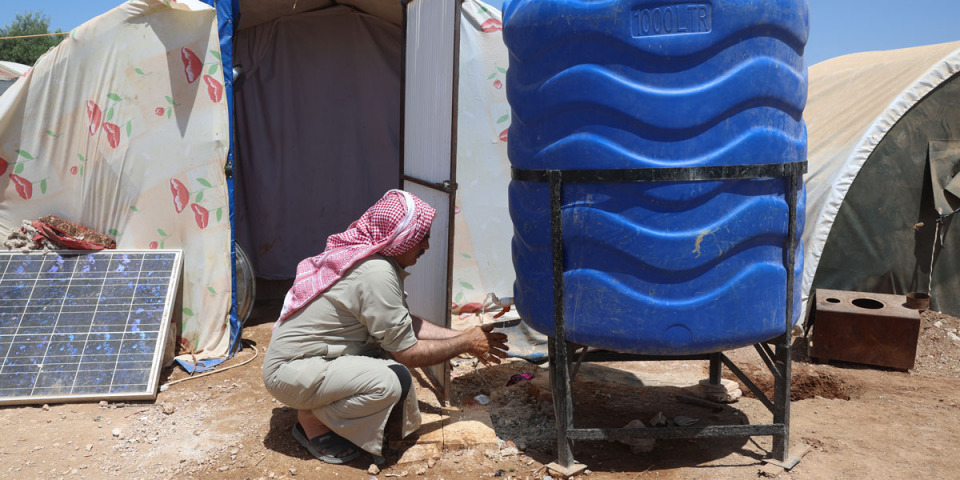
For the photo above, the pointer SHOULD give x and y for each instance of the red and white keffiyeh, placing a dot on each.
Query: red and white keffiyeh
(394, 225)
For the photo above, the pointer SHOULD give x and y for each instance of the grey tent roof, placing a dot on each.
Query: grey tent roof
(854, 103)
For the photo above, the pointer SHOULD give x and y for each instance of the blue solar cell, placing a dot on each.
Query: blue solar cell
(136, 361)
(23, 265)
(64, 329)
(29, 349)
(114, 289)
(95, 377)
(83, 325)
(35, 330)
(14, 289)
(8, 323)
(59, 380)
(50, 288)
(18, 379)
(61, 363)
(131, 378)
(14, 365)
(15, 392)
(34, 319)
(111, 317)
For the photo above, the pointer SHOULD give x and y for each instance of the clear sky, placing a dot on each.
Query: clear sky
(837, 27)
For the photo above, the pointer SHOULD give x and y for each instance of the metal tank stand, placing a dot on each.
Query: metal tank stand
(775, 353)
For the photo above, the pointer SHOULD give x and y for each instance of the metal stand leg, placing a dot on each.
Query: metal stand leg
(715, 368)
(781, 401)
(562, 400)
(783, 357)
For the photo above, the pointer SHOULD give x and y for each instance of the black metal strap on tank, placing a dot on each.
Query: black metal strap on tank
(669, 174)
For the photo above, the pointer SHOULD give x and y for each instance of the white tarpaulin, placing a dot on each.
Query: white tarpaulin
(482, 261)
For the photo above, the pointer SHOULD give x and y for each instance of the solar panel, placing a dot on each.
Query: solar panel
(80, 326)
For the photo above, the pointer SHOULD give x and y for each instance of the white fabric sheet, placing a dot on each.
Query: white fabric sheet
(111, 129)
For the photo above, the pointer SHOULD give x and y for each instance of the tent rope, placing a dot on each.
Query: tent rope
(933, 254)
(35, 35)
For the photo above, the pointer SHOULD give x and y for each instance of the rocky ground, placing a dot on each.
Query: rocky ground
(859, 422)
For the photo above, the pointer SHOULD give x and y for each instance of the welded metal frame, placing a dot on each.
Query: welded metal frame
(777, 358)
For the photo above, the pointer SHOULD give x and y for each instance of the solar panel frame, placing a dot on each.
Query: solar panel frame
(80, 325)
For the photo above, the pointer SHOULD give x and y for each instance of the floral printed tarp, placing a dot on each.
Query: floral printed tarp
(123, 128)
(482, 254)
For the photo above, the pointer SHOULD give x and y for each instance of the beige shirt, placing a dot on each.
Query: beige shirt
(361, 313)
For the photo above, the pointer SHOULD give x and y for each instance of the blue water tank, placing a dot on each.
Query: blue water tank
(662, 268)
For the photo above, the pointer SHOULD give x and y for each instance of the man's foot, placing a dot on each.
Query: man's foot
(329, 447)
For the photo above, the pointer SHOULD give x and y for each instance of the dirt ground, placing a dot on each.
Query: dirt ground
(860, 422)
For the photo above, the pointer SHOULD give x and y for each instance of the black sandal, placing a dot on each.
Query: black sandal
(328, 447)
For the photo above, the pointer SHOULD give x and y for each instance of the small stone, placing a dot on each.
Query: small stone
(953, 336)
(103, 403)
(373, 469)
(46, 408)
(74, 471)
(272, 475)
(89, 447)
(489, 453)
(223, 468)
(293, 471)
(116, 432)
(638, 445)
(588, 472)
(658, 420)
(431, 462)
(725, 385)
(422, 471)
(509, 452)
(169, 408)
(938, 324)
(234, 451)
(769, 471)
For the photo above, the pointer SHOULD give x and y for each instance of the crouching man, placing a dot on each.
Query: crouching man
(344, 342)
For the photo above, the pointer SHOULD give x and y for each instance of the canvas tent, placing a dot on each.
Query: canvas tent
(9, 72)
(334, 103)
(884, 153)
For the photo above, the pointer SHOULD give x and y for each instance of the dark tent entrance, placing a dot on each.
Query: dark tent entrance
(333, 107)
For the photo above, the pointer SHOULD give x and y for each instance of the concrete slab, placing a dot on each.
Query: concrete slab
(430, 431)
(453, 429)
(566, 472)
(468, 427)
(420, 453)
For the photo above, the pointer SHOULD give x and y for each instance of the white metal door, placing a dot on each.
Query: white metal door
(431, 30)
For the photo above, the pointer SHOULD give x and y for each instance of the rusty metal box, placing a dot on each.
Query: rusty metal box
(870, 328)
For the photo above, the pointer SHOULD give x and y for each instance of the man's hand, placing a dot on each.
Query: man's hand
(486, 345)
(478, 341)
